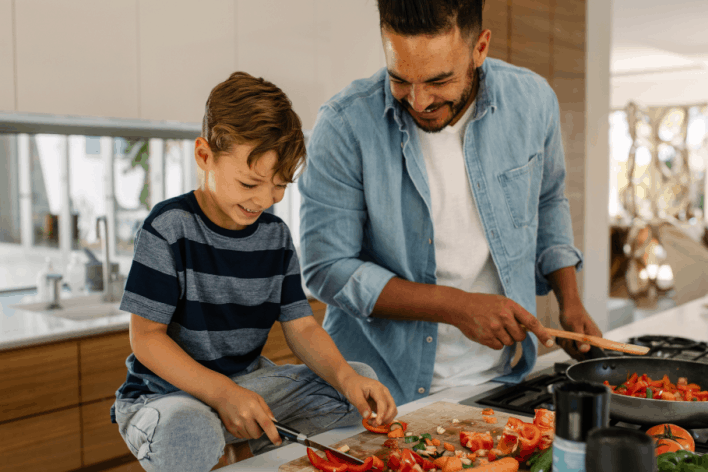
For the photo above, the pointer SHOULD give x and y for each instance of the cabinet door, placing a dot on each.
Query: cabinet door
(77, 57)
(101, 438)
(38, 379)
(103, 365)
(50, 442)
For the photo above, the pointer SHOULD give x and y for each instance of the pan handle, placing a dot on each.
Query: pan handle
(595, 353)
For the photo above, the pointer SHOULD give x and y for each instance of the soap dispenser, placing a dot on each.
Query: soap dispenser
(76, 274)
(42, 286)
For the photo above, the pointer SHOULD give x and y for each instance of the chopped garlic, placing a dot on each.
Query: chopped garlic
(458, 453)
(455, 421)
(498, 437)
(409, 433)
(344, 448)
(423, 453)
(432, 449)
(440, 430)
(372, 415)
(465, 461)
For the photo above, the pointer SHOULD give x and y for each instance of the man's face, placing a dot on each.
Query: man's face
(237, 194)
(433, 77)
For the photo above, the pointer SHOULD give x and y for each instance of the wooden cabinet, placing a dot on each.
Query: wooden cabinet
(103, 367)
(49, 442)
(100, 438)
(38, 379)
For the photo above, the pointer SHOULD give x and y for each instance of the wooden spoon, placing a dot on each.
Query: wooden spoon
(598, 341)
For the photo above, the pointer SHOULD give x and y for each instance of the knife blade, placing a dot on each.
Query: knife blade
(293, 435)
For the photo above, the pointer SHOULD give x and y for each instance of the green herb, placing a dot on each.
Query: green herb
(419, 447)
(649, 393)
(410, 439)
(426, 435)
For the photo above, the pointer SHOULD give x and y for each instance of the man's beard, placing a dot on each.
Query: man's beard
(455, 107)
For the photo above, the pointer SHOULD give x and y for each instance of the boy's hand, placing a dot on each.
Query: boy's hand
(246, 415)
(368, 394)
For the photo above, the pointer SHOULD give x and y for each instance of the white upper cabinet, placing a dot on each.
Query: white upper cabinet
(7, 58)
(186, 48)
(348, 43)
(276, 40)
(77, 57)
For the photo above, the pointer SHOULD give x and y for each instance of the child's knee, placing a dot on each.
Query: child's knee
(364, 369)
(177, 439)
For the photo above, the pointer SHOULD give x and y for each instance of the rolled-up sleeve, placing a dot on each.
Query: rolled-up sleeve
(554, 248)
(333, 213)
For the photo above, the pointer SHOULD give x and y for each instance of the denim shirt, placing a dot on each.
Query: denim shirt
(366, 214)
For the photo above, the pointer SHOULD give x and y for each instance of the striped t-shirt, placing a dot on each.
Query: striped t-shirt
(219, 291)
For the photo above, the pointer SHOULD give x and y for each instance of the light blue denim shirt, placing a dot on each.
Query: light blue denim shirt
(366, 214)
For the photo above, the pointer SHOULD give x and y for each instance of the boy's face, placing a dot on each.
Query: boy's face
(233, 194)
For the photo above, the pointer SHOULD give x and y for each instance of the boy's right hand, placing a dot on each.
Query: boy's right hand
(249, 418)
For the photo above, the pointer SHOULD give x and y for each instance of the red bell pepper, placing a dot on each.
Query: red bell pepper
(383, 429)
(368, 463)
(394, 461)
(323, 464)
(476, 441)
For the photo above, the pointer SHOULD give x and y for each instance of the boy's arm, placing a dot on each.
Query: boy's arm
(311, 344)
(241, 410)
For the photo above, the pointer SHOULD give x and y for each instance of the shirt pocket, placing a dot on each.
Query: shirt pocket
(522, 187)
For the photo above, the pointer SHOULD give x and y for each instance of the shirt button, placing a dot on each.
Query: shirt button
(430, 241)
(493, 234)
(421, 390)
(477, 184)
(429, 339)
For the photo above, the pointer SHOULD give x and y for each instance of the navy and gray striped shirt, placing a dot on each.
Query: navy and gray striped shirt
(219, 291)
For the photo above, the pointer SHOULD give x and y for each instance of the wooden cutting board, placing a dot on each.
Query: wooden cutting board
(424, 420)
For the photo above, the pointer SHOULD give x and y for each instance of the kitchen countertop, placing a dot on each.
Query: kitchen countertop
(689, 320)
(21, 328)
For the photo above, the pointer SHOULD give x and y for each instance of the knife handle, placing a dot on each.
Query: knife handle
(290, 434)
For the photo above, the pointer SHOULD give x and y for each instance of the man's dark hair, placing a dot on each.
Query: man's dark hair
(414, 17)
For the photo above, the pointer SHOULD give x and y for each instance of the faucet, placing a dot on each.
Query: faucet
(111, 282)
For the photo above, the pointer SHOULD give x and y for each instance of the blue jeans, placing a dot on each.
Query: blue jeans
(177, 432)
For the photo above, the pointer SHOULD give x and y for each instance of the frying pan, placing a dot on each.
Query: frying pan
(642, 410)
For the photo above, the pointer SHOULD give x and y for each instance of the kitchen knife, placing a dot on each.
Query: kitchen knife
(296, 436)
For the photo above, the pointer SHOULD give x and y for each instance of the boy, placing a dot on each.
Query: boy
(211, 274)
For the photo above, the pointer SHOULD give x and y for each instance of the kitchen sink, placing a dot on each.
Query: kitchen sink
(75, 308)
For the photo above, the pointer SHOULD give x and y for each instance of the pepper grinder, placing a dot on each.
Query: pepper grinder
(619, 450)
(580, 407)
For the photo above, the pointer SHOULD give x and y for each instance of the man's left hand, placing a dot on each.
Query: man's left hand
(576, 319)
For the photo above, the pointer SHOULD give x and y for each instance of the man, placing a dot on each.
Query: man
(433, 208)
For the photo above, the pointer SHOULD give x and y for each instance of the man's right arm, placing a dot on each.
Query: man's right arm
(333, 215)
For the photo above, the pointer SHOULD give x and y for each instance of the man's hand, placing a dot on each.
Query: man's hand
(494, 320)
(245, 414)
(574, 318)
(369, 395)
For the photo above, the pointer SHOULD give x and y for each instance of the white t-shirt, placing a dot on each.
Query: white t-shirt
(462, 256)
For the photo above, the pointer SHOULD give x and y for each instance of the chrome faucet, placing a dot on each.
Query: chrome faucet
(112, 283)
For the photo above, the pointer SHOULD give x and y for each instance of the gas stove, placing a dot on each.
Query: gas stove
(535, 391)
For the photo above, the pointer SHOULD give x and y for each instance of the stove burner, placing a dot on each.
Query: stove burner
(673, 347)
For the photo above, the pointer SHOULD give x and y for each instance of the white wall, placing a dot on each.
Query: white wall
(682, 87)
(158, 59)
(596, 284)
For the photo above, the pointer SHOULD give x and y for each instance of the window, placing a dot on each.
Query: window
(67, 172)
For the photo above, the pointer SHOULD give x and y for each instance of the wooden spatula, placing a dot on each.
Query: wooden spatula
(598, 341)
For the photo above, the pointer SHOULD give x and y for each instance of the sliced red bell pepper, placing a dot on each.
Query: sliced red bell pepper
(363, 467)
(476, 441)
(424, 463)
(377, 463)
(323, 464)
(394, 461)
(383, 429)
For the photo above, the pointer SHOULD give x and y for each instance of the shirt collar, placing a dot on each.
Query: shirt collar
(485, 100)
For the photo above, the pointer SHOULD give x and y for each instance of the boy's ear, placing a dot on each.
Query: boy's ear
(202, 153)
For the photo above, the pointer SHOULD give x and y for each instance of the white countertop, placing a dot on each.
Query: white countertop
(689, 320)
(20, 328)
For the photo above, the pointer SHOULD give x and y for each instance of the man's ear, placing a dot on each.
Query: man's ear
(481, 48)
(202, 153)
